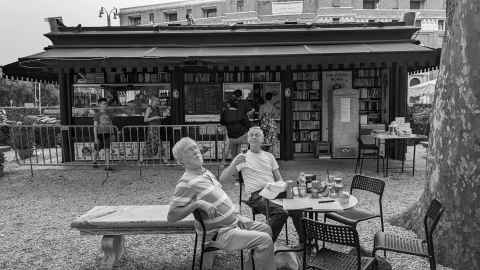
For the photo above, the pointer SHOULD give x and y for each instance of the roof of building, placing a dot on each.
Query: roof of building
(229, 35)
(172, 4)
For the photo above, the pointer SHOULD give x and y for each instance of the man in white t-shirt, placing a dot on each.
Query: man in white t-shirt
(258, 169)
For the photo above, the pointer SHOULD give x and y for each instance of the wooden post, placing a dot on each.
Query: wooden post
(178, 109)
(66, 102)
(286, 136)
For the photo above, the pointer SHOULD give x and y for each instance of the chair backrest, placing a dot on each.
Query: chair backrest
(368, 183)
(197, 214)
(336, 234)
(240, 186)
(434, 212)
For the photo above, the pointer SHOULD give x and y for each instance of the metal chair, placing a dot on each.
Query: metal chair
(413, 246)
(204, 249)
(366, 150)
(254, 213)
(328, 259)
(353, 216)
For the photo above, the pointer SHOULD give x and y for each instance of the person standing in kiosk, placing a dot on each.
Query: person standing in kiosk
(236, 122)
(154, 116)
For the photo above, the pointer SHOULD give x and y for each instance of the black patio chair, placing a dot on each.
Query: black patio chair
(254, 213)
(328, 259)
(413, 246)
(355, 215)
(203, 245)
(366, 150)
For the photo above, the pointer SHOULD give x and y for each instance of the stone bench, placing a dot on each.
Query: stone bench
(113, 222)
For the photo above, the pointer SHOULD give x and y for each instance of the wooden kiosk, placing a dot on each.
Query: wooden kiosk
(194, 68)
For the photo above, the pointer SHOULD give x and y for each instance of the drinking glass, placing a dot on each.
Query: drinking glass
(330, 183)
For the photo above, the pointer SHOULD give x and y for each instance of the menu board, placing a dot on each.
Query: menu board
(203, 99)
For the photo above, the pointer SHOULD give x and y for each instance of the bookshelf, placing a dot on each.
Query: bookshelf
(370, 84)
(306, 107)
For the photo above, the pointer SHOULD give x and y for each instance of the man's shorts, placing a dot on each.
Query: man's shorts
(103, 141)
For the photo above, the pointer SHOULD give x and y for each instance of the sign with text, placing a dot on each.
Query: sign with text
(290, 7)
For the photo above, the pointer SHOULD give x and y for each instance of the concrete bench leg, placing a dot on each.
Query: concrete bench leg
(113, 248)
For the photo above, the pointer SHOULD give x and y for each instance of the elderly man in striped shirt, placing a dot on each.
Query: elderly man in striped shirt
(198, 188)
(258, 169)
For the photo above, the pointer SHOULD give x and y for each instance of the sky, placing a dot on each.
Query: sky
(22, 24)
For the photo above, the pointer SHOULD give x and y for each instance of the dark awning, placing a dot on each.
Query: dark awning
(227, 51)
(35, 72)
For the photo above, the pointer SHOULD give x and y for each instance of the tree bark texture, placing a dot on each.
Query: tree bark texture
(453, 172)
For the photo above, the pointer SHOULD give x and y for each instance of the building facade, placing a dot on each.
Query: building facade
(430, 14)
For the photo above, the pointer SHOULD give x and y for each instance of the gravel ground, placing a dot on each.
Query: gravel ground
(36, 213)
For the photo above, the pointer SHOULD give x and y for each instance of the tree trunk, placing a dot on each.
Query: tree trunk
(453, 172)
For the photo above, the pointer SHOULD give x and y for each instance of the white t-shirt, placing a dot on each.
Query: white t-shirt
(258, 170)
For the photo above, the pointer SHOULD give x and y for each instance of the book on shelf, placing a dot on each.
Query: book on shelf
(308, 124)
(363, 119)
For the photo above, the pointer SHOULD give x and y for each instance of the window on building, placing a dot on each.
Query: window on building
(151, 18)
(416, 4)
(336, 3)
(370, 4)
(136, 20)
(171, 17)
(240, 5)
(209, 12)
(336, 20)
(418, 23)
(394, 20)
(441, 25)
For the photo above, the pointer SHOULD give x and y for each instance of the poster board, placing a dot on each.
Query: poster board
(120, 151)
(332, 80)
(229, 88)
(203, 102)
(345, 123)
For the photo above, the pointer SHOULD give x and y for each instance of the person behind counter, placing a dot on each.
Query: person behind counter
(102, 130)
(138, 105)
(268, 109)
(237, 124)
(154, 116)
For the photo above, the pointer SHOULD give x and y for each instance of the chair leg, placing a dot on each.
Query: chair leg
(357, 162)
(378, 159)
(324, 221)
(241, 259)
(383, 230)
(433, 264)
(361, 164)
(194, 251)
(286, 233)
(201, 254)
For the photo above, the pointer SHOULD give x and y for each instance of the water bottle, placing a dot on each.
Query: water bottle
(302, 185)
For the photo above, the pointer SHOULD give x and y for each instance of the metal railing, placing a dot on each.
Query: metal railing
(63, 145)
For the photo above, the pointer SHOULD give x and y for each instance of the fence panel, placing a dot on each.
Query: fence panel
(50, 145)
(152, 145)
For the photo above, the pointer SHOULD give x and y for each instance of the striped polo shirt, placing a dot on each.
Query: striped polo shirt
(205, 187)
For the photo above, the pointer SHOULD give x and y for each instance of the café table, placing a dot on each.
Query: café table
(320, 204)
(416, 138)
